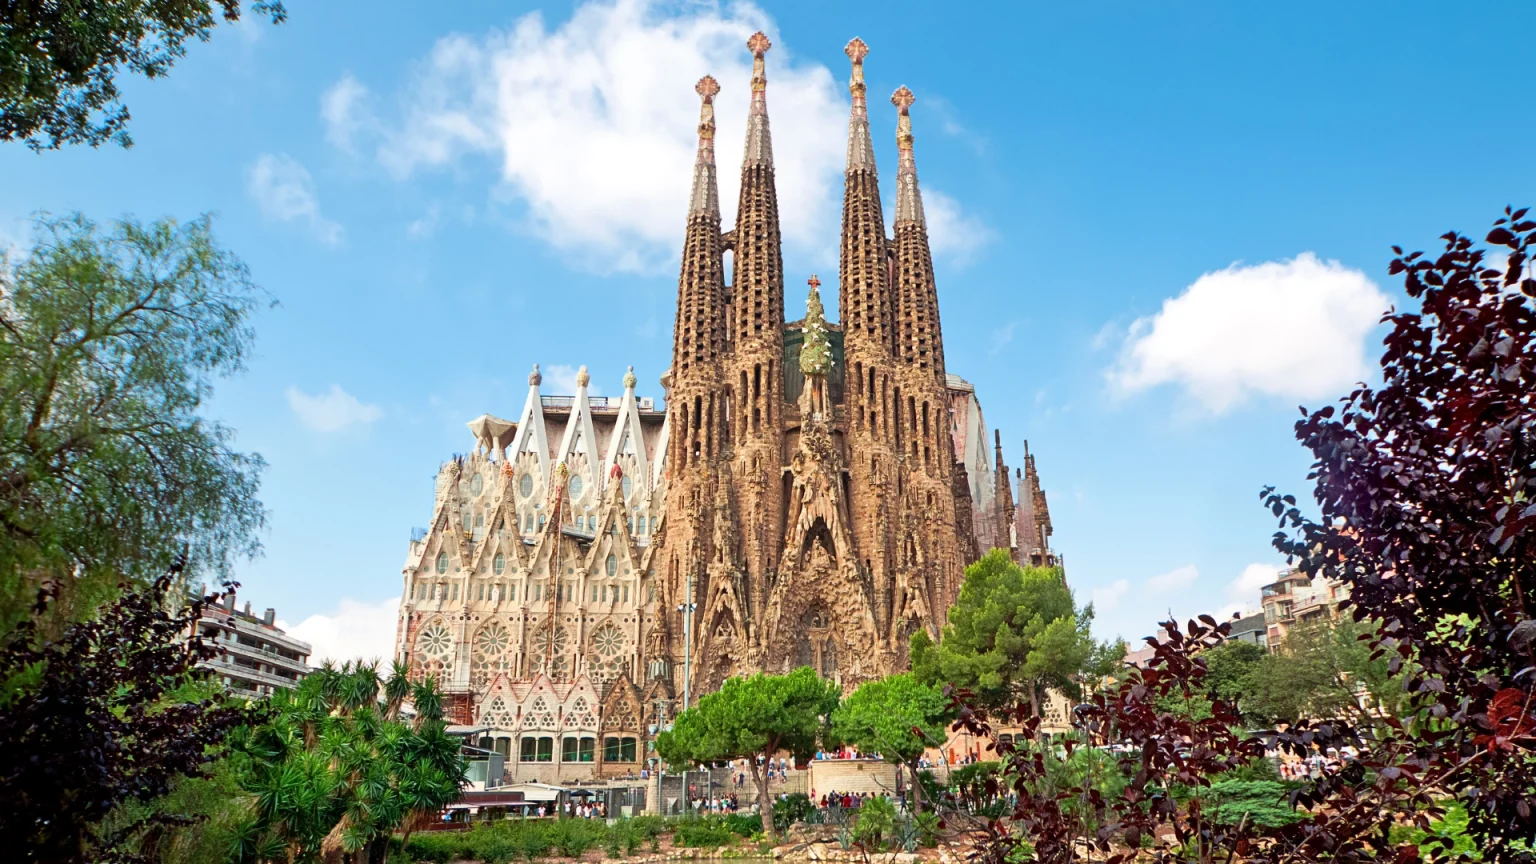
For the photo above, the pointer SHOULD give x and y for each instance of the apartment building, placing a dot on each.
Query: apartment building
(255, 657)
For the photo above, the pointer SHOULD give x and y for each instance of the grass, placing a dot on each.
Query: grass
(541, 839)
(529, 840)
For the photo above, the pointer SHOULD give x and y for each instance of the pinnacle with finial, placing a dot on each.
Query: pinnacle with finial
(861, 151)
(534, 378)
(909, 202)
(705, 196)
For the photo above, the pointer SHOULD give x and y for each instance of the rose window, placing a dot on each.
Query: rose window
(544, 644)
(436, 641)
(490, 654)
(608, 658)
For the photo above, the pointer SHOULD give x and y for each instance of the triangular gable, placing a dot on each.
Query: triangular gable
(628, 438)
(530, 437)
(580, 437)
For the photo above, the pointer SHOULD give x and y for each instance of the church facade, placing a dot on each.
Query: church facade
(809, 494)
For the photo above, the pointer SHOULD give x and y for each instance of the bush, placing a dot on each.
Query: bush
(876, 822)
(708, 832)
(791, 809)
(1263, 802)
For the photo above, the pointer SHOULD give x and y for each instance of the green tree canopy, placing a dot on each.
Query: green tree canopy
(337, 768)
(898, 717)
(1322, 670)
(762, 715)
(59, 61)
(1014, 631)
(110, 341)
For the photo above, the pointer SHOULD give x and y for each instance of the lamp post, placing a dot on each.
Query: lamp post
(687, 609)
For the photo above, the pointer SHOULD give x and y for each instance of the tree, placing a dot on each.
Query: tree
(1233, 668)
(1424, 489)
(897, 717)
(107, 715)
(337, 768)
(1014, 631)
(1322, 670)
(59, 61)
(110, 341)
(747, 718)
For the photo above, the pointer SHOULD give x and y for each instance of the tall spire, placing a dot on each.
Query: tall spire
(759, 143)
(919, 339)
(706, 191)
(758, 266)
(861, 151)
(909, 202)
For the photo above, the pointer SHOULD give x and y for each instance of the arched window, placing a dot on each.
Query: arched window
(499, 563)
(525, 485)
(575, 486)
(626, 485)
(442, 562)
(829, 659)
(612, 565)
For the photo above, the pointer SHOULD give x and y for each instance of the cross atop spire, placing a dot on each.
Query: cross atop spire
(814, 282)
(909, 202)
(861, 151)
(759, 146)
(706, 195)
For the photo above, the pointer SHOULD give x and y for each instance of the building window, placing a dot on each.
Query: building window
(537, 748)
(476, 485)
(499, 563)
(578, 749)
(591, 523)
(480, 594)
(455, 590)
(512, 591)
(541, 520)
(594, 593)
(616, 749)
(611, 565)
(625, 483)
(525, 485)
(626, 593)
(442, 562)
(575, 486)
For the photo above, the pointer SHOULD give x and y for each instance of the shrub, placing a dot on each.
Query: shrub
(791, 809)
(876, 822)
(1263, 802)
(708, 832)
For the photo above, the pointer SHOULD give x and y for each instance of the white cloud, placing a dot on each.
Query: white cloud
(1293, 329)
(951, 232)
(594, 125)
(1173, 581)
(343, 108)
(285, 192)
(358, 631)
(427, 224)
(1001, 337)
(1243, 592)
(1107, 599)
(560, 380)
(332, 411)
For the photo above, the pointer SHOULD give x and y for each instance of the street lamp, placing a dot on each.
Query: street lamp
(687, 609)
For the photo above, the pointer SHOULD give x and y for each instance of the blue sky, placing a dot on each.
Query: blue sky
(1159, 228)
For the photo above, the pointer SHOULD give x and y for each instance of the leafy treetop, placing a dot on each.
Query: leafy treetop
(1014, 631)
(59, 61)
(110, 341)
(897, 717)
(761, 715)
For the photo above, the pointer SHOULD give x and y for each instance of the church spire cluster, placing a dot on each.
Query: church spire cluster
(807, 493)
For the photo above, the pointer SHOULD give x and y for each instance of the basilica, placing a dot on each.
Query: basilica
(804, 494)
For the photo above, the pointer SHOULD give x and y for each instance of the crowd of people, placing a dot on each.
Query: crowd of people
(1316, 765)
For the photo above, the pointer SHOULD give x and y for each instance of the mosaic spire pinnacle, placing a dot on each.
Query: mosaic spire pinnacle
(759, 143)
(706, 192)
(909, 202)
(861, 151)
